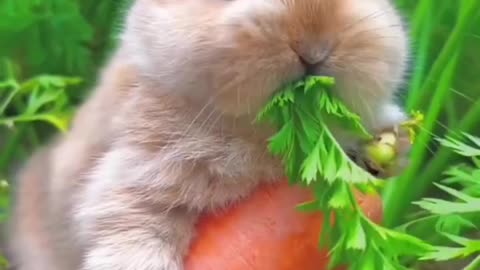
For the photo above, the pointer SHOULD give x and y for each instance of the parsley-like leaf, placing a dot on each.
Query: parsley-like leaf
(303, 113)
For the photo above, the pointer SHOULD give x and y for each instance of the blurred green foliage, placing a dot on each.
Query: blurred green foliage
(444, 86)
(39, 39)
(65, 37)
(51, 51)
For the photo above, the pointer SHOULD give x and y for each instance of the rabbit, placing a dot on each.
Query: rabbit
(167, 133)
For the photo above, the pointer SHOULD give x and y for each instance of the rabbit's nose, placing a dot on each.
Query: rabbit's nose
(312, 58)
(310, 67)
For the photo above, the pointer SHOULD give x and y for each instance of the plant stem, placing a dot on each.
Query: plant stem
(400, 194)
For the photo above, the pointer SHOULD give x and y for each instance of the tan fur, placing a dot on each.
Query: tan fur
(168, 131)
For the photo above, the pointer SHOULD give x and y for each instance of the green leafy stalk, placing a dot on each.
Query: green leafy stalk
(304, 113)
(457, 213)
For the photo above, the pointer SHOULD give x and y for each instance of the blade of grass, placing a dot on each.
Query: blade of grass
(421, 29)
(399, 194)
(467, 15)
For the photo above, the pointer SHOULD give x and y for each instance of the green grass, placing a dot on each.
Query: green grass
(46, 45)
(67, 38)
(435, 82)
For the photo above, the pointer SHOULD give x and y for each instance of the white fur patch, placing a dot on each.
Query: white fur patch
(145, 255)
(242, 11)
(390, 115)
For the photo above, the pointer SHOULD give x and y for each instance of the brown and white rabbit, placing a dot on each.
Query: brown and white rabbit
(168, 133)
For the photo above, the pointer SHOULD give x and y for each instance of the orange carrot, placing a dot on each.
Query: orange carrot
(265, 232)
